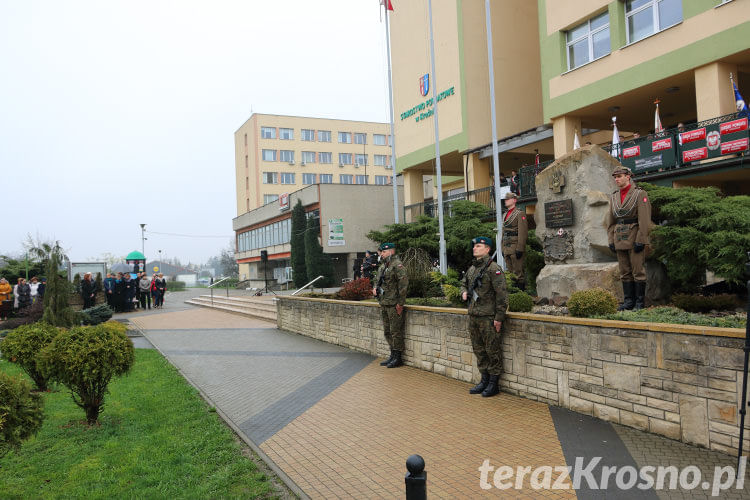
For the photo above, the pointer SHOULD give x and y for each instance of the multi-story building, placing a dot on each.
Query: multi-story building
(564, 67)
(276, 154)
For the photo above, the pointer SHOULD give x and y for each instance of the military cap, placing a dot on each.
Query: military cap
(622, 170)
(510, 194)
(482, 239)
(386, 246)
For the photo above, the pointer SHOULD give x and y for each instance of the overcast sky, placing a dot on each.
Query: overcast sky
(115, 113)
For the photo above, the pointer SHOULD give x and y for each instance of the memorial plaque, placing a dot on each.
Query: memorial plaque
(558, 247)
(558, 213)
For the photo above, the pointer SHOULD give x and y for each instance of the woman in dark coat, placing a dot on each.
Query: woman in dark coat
(119, 294)
(24, 294)
(88, 291)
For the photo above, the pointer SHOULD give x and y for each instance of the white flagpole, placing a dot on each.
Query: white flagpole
(390, 100)
(495, 153)
(443, 257)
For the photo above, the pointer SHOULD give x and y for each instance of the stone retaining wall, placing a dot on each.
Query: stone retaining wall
(680, 381)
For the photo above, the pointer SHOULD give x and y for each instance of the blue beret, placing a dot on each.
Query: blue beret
(481, 239)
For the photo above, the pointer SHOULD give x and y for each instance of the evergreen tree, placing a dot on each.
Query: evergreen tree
(317, 262)
(299, 226)
(57, 312)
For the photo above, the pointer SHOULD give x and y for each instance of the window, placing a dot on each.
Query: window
(286, 155)
(308, 135)
(286, 134)
(270, 178)
(308, 156)
(287, 178)
(381, 180)
(345, 158)
(378, 139)
(270, 198)
(361, 179)
(646, 17)
(308, 178)
(346, 179)
(360, 159)
(360, 138)
(268, 132)
(324, 136)
(588, 41)
(269, 155)
(325, 157)
(380, 160)
(345, 137)
(326, 178)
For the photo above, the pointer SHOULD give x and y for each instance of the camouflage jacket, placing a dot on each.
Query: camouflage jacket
(395, 282)
(493, 295)
(628, 221)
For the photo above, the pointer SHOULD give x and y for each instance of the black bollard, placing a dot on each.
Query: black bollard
(416, 478)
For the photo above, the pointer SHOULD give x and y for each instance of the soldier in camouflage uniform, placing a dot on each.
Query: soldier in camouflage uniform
(390, 289)
(628, 224)
(486, 315)
(515, 233)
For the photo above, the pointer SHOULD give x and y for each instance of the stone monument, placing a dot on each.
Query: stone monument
(572, 202)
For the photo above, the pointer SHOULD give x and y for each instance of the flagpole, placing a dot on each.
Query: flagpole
(495, 153)
(390, 100)
(443, 258)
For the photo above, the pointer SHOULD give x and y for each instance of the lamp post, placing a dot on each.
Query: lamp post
(160, 265)
(143, 239)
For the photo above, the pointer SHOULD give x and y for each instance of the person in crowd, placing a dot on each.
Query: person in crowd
(15, 294)
(390, 290)
(628, 224)
(34, 285)
(503, 179)
(88, 291)
(513, 182)
(109, 289)
(515, 233)
(42, 288)
(5, 304)
(483, 286)
(636, 135)
(118, 292)
(357, 269)
(144, 286)
(161, 289)
(369, 265)
(130, 286)
(23, 294)
(154, 291)
(137, 299)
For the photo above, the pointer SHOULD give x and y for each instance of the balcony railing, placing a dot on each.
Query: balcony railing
(485, 196)
(670, 150)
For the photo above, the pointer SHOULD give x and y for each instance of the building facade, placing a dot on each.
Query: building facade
(276, 154)
(564, 67)
(346, 212)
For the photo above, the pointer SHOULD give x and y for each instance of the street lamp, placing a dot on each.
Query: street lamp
(143, 239)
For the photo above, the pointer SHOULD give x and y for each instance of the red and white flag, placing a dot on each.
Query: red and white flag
(657, 121)
(576, 141)
(387, 3)
(615, 139)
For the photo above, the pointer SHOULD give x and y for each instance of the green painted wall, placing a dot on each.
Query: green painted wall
(686, 58)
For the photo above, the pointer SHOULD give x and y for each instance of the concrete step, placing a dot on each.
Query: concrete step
(265, 310)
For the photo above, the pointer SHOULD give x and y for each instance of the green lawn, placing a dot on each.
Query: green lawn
(157, 439)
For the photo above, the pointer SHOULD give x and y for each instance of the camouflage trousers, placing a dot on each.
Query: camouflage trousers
(487, 344)
(393, 327)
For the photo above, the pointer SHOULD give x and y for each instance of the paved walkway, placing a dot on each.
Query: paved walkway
(337, 425)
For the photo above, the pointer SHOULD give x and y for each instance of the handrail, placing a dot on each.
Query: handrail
(222, 279)
(211, 287)
(302, 288)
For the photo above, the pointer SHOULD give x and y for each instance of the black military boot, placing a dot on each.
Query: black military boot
(628, 292)
(396, 361)
(493, 386)
(390, 358)
(477, 389)
(640, 295)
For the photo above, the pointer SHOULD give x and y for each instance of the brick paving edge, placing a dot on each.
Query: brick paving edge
(270, 463)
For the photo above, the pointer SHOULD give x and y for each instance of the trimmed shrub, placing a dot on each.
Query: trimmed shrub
(97, 314)
(23, 345)
(21, 412)
(85, 359)
(175, 286)
(520, 302)
(592, 302)
(702, 303)
(510, 283)
(358, 289)
(680, 317)
(428, 301)
(453, 294)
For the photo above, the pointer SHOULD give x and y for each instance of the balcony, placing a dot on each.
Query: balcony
(485, 196)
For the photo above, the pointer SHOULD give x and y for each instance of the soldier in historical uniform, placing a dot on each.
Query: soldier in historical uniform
(515, 233)
(628, 224)
(488, 301)
(390, 288)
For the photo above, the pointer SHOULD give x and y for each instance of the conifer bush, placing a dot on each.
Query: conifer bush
(97, 314)
(592, 302)
(702, 304)
(85, 359)
(21, 412)
(520, 302)
(23, 345)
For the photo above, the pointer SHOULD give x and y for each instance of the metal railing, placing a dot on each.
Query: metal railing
(527, 179)
(302, 288)
(211, 287)
(485, 196)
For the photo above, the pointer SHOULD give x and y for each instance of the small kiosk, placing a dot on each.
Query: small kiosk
(137, 261)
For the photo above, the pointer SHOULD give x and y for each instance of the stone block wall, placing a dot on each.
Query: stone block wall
(679, 381)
